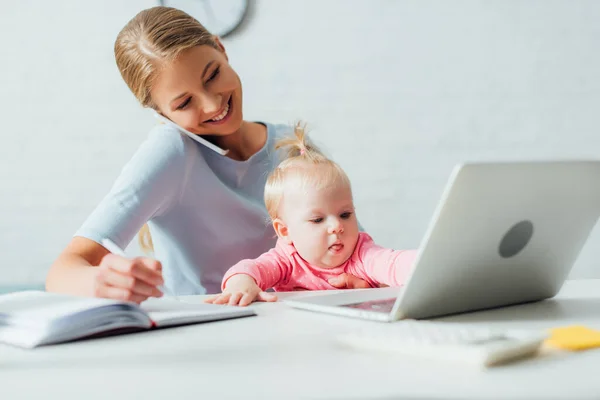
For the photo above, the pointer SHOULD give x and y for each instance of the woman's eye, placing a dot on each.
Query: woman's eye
(346, 215)
(213, 75)
(316, 220)
(184, 104)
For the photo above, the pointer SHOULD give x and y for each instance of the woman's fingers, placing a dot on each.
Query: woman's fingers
(124, 279)
(145, 269)
(134, 285)
(110, 292)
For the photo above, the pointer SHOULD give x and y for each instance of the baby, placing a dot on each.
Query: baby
(309, 200)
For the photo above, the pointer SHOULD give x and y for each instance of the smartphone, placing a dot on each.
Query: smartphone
(195, 137)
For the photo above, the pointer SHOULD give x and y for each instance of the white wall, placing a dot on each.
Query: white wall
(396, 91)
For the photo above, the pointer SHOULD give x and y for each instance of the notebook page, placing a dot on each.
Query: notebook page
(43, 307)
(166, 311)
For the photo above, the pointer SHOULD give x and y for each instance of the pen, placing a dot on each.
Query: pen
(113, 248)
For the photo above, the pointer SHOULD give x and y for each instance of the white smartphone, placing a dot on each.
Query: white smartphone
(195, 137)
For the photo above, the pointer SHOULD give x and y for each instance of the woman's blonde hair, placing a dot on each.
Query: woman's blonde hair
(305, 164)
(151, 39)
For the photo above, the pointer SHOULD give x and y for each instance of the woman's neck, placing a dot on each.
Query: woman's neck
(245, 142)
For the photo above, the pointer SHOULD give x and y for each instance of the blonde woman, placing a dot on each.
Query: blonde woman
(204, 209)
(309, 200)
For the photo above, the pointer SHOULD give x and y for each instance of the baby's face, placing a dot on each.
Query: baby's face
(321, 224)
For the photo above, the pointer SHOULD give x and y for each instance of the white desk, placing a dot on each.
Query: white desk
(285, 353)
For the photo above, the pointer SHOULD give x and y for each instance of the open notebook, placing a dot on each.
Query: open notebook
(34, 318)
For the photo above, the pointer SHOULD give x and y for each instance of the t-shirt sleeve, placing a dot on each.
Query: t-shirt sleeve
(148, 185)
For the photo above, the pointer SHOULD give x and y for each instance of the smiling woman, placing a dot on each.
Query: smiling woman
(206, 103)
(204, 208)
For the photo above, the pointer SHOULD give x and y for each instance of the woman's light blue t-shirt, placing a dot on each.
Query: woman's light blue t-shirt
(205, 210)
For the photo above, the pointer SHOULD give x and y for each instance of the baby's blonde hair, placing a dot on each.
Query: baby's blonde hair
(151, 39)
(303, 162)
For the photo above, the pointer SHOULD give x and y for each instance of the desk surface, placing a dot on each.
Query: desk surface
(287, 353)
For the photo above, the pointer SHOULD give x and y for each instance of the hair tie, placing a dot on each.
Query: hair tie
(301, 152)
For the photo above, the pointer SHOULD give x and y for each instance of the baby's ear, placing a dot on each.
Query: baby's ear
(281, 230)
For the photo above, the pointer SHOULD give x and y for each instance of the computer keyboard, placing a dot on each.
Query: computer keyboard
(446, 341)
(382, 306)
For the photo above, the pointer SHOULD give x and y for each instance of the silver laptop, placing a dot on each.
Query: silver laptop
(502, 234)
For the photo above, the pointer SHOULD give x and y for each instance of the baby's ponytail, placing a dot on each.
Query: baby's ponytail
(299, 145)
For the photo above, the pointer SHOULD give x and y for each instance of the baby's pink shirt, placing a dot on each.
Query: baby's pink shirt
(282, 268)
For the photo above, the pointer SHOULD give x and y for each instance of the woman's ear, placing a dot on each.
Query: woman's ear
(281, 230)
(221, 47)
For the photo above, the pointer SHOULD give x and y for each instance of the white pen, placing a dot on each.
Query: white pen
(113, 248)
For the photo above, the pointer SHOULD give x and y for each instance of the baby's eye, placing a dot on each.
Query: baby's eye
(316, 220)
(346, 215)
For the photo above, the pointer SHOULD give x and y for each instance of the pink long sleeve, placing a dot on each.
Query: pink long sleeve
(386, 266)
(268, 270)
(283, 269)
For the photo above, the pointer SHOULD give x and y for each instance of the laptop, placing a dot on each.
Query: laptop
(502, 234)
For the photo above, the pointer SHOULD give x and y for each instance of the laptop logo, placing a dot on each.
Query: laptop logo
(515, 240)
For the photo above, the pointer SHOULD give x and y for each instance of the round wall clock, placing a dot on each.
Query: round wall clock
(220, 17)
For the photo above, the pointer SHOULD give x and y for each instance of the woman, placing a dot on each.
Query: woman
(204, 209)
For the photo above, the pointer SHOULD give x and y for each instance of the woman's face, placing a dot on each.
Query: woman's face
(200, 92)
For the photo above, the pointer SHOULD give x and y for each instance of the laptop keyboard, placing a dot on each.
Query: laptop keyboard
(382, 306)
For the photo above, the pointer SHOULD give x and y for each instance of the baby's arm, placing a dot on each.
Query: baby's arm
(247, 281)
(386, 266)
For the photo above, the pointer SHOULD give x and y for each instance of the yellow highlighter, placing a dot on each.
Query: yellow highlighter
(574, 337)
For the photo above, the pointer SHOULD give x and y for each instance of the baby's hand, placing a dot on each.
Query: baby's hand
(241, 290)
